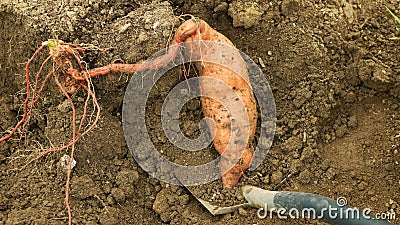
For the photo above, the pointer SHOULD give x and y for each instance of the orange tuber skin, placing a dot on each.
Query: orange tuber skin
(198, 30)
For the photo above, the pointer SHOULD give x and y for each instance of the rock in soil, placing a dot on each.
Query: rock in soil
(245, 13)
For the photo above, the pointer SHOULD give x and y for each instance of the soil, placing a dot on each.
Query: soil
(332, 66)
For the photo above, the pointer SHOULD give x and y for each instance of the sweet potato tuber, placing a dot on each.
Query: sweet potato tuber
(237, 79)
(232, 134)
